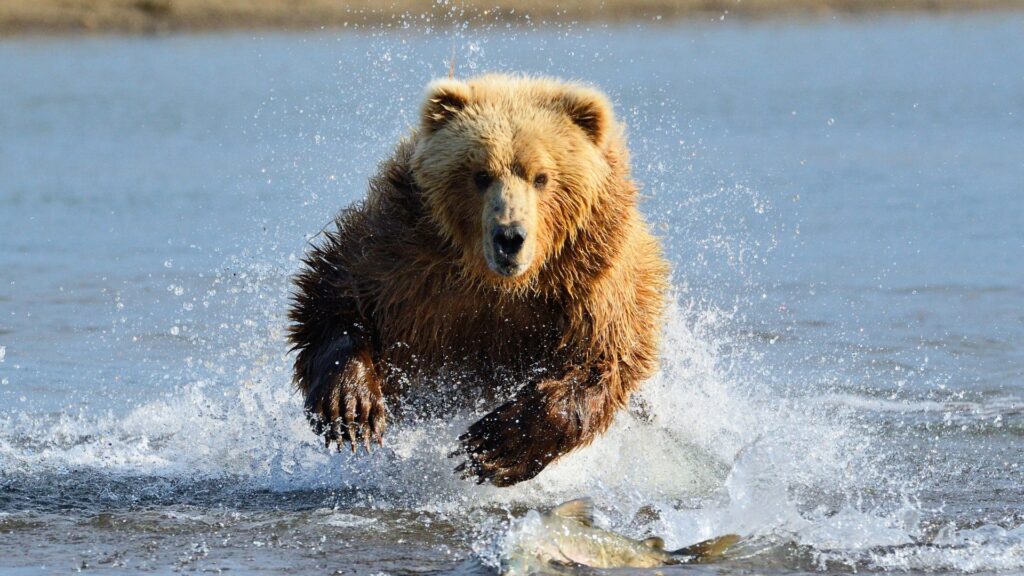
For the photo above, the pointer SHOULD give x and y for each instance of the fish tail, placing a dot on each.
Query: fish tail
(708, 549)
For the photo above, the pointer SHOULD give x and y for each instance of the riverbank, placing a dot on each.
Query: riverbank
(158, 16)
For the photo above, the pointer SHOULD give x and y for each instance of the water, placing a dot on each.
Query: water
(843, 369)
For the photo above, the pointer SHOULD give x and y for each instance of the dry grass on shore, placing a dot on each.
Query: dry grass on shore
(146, 16)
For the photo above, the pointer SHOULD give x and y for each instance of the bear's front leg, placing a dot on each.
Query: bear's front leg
(544, 421)
(344, 402)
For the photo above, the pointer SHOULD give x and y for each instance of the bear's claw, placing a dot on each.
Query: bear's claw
(350, 412)
(507, 446)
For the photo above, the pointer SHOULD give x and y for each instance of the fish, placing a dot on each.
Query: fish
(565, 539)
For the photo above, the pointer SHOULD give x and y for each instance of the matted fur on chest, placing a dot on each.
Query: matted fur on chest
(450, 332)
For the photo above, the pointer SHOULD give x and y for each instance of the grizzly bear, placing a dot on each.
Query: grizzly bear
(500, 249)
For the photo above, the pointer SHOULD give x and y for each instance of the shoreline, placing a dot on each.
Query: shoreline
(43, 17)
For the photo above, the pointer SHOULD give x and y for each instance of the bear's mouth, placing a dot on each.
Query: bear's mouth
(507, 267)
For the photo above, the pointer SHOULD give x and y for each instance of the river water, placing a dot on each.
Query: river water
(842, 377)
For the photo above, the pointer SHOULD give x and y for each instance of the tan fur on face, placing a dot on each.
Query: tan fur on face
(514, 129)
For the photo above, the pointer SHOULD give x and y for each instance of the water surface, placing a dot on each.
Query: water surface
(843, 368)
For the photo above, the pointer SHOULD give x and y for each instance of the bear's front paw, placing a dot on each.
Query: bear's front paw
(510, 445)
(348, 407)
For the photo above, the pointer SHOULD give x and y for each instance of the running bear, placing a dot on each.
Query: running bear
(500, 257)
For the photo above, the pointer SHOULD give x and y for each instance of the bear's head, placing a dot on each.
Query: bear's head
(513, 169)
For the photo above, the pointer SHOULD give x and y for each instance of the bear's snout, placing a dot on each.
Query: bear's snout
(508, 240)
(509, 227)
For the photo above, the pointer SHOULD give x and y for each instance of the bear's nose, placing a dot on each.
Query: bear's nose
(508, 240)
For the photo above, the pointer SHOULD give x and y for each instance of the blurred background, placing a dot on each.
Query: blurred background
(177, 15)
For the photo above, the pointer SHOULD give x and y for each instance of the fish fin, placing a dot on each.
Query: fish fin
(708, 549)
(569, 568)
(654, 542)
(580, 510)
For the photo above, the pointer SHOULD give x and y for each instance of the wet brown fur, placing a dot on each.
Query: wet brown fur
(400, 293)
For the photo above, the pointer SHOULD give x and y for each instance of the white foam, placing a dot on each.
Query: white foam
(343, 520)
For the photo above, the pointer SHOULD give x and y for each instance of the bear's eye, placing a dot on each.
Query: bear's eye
(540, 180)
(482, 180)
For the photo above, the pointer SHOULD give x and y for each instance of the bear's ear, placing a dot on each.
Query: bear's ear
(588, 109)
(444, 99)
